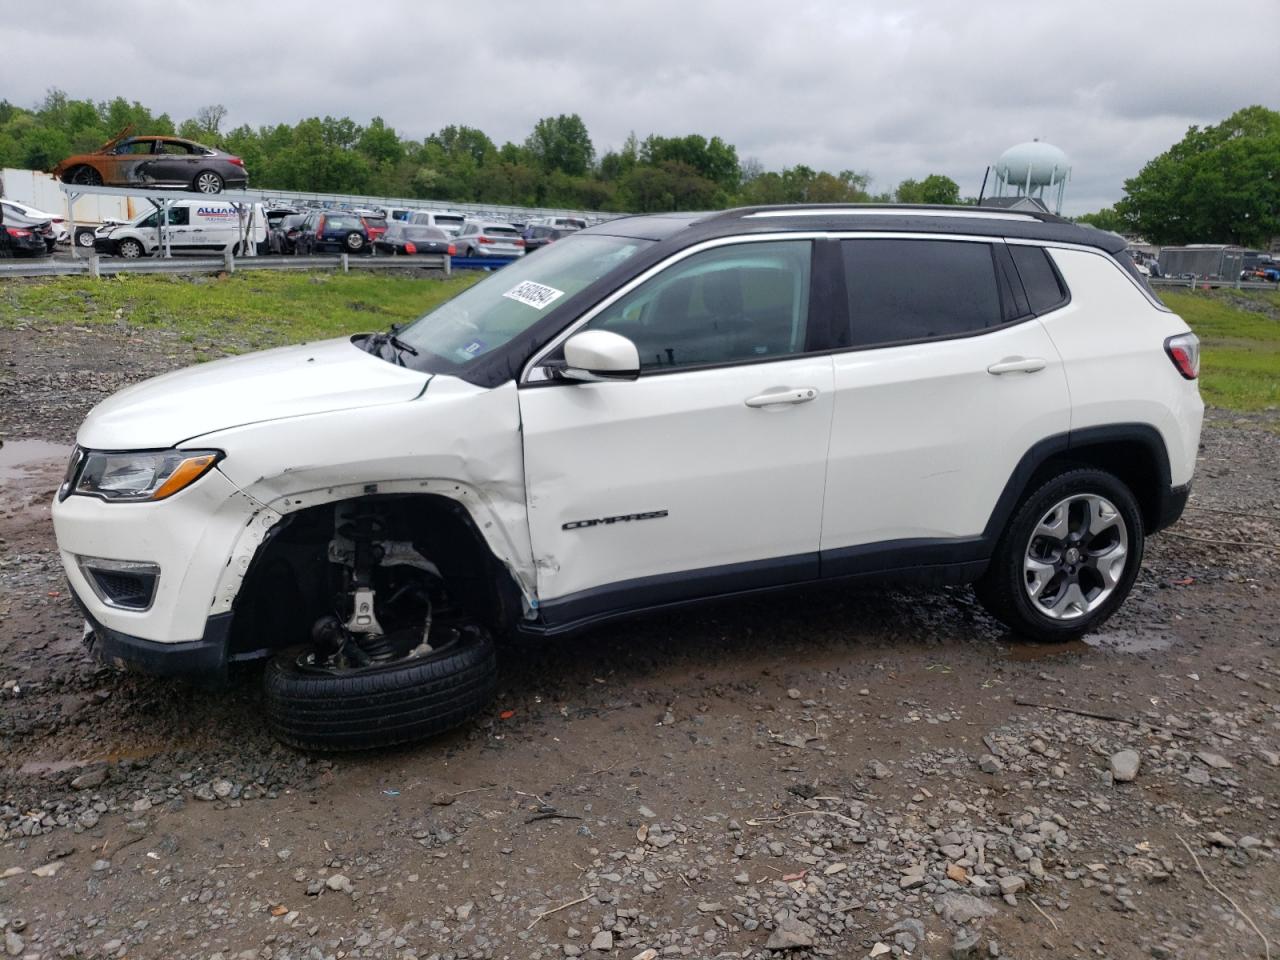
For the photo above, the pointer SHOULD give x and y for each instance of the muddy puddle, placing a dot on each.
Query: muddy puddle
(1108, 641)
(18, 458)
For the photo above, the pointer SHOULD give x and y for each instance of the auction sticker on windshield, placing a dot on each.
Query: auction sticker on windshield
(535, 295)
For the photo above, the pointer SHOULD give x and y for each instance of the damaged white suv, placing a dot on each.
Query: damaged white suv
(652, 411)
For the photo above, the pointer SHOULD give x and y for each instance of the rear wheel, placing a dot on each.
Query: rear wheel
(354, 242)
(84, 237)
(207, 182)
(1068, 557)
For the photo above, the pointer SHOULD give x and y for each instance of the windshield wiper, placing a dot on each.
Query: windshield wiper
(389, 339)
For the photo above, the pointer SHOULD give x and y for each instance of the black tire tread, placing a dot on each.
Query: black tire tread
(397, 704)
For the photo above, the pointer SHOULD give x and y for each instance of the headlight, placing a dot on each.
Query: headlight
(139, 476)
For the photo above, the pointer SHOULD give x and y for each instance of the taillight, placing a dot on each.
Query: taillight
(17, 232)
(320, 226)
(1184, 351)
(519, 243)
(484, 240)
(409, 247)
(236, 160)
(453, 251)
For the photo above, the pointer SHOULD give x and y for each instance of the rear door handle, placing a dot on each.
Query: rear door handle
(1017, 365)
(785, 395)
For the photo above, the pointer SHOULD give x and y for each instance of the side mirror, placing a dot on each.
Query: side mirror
(596, 355)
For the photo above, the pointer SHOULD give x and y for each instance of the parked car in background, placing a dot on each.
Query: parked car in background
(332, 231)
(191, 225)
(283, 236)
(569, 223)
(26, 236)
(538, 236)
(58, 224)
(450, 223)
(404, 214)
(486, 238)
(155, 162)
(410, 238)
(375, 223)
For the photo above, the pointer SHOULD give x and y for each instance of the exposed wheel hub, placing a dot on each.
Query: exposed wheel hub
(1076, 556)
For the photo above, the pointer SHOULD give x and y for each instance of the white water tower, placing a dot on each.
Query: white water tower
(1031, 169)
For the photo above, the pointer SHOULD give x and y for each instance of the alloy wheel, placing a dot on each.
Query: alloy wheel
(1076, 556)
(209, 182)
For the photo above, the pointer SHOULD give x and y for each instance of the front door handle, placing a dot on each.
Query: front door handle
(785, 395)
(1017, 365)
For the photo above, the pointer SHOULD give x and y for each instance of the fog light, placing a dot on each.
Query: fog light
(124, 584)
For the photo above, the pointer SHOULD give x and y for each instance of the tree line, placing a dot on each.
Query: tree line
(557, 165)
(1219, 184)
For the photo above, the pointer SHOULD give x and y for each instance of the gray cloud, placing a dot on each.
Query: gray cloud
(897, 91)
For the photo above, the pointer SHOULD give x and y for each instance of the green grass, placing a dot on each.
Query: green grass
(245, 311)
(1240, 353)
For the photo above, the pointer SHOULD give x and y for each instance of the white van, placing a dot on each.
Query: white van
(192, 225)
(402, 214)
(450, 223)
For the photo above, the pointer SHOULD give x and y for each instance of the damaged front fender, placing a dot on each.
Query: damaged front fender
(455, 440)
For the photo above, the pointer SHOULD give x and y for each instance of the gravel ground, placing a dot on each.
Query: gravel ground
(822, 773)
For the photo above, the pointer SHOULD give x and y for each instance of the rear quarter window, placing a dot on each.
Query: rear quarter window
(1045, 290)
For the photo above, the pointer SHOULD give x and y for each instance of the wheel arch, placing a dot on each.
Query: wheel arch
(1134, 452)
(284, 578)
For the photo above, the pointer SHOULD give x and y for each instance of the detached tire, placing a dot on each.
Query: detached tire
(398, 703)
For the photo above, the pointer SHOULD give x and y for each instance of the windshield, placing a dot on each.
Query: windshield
(488, 315)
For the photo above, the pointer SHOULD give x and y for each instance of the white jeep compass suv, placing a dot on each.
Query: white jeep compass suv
(654, 410)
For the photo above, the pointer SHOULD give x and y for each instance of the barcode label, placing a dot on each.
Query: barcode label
(535, 295)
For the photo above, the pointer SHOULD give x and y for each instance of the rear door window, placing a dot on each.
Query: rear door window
(905, 290)
(1044, 290)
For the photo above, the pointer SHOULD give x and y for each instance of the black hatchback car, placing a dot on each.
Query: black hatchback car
(283, 236)
(332, 231)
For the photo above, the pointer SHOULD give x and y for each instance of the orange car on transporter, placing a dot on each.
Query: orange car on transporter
(169, 162)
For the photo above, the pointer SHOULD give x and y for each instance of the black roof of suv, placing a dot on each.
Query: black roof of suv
(971, 221)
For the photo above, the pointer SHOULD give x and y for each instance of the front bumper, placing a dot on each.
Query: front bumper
(204, 660)
(202, 539)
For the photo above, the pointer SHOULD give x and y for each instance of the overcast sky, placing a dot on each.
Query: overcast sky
(896, 89)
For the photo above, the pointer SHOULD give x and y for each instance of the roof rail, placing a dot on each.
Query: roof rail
(889, 210)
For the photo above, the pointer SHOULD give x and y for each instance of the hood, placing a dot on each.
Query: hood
(272, 385)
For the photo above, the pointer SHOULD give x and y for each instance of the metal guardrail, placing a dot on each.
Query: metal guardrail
(1171, 283)
(98, 266)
